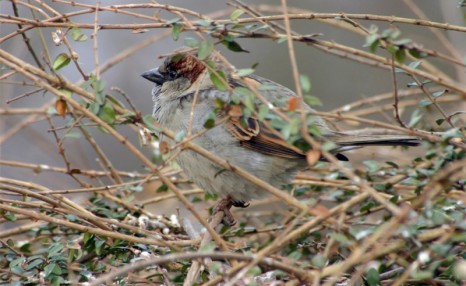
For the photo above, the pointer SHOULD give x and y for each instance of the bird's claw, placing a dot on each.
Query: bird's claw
(224, 205)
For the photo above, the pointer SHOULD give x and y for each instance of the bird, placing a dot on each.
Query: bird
(244, 141)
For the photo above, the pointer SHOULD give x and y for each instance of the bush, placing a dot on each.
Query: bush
(392, 222)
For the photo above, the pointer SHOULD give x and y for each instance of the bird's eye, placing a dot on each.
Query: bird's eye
(172, 74)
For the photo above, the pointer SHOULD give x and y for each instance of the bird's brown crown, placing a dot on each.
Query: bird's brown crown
(185, 65)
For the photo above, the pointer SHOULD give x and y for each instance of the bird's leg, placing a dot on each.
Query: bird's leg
(225, 205)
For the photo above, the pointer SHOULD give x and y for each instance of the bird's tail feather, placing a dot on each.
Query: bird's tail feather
(372, 137)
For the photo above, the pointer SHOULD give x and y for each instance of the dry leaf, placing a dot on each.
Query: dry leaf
(456, 140)
(312, 157)
(164, 147)
(61, 107)
(293, 103)
(57, 37)
(320, 210)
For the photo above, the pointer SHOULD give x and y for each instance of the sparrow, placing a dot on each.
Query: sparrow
(246, 142)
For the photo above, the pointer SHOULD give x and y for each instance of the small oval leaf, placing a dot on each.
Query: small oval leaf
(219, 80)
(61, 61)
(205, 49)
(236, 14)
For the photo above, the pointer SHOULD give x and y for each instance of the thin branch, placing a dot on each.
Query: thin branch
(107, 278)
(26, 39)
(395, 94)
(94, 37)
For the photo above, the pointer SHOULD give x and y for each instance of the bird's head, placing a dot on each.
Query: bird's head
(177, 75)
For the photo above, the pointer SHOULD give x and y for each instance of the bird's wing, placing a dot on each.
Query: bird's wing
(258, 137)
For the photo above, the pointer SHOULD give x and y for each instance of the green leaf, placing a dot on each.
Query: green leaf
(244, 72)
(180, 135)
(380, 187)
(208, 247)
(312, 100)
(254, 271)
(415, 64)
(400, 56)
(205, 49)
(425, 103)
(190, 42)
(341, 238)
(372, 41)
(61, 61)
(394, 199)
(439, 93)
(417, 53)
(328, 146)
(236, 14)
(282, 39)
(318, 260)
(263, 111)
(77, 35)
(415, 118)
(87, 237)
(137, 189)
(9, 216)
(305, 83)
(173, 21)
(66, 92)
(422, 274)
(17, 262)
(291, 128)
(219, 80)
(373, 277)
(359, 234)
(149, 121)
(209, 120)
(34, 264)
(203, 23)
(367, 206)
(248, 97)
(454, 132)
(97, 84)
(234, 46)
(403, 42)
(176, 30)
(99, 246)
(55, 249)
(49, 269)
(107, 113)
(163, 188)
(392, 49)
(440, 249)
(372, 166)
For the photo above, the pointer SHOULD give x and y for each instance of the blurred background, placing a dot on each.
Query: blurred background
(336, 81)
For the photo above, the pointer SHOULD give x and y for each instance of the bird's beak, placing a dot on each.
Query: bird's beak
(154, 75)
